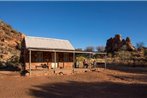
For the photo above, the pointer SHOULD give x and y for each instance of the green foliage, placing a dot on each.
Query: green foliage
(100, 48)
(80, 58)
(125, 55)
(19, 46)
(89, 49)
(128, 39)
(13, 61)
(145, 52)
(2, 64)
(79, 49)
(110, 55)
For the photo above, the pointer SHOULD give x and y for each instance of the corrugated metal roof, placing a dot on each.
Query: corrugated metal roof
(47, 43)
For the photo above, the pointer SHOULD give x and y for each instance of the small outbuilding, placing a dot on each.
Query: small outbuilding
(48, 53)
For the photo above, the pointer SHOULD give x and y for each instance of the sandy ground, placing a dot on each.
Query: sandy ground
(118, 82)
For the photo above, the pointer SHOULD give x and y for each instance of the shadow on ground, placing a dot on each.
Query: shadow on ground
(130, 78)
(126, 68)
(9, 68)
(74, 89)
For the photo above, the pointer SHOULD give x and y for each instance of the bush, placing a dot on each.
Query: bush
(2, 64)
(125, 55)
(80, 58)
(145, 52)
(13, 64)
(110, 55)
(19, 46)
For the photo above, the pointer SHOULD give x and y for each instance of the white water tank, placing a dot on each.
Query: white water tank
(53, 65)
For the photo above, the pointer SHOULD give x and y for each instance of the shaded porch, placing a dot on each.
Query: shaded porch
(37, 59)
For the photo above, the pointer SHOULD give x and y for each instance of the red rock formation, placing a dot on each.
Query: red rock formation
(117, 43)
(9, 42)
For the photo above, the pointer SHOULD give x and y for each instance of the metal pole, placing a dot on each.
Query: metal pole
(90, 60)
(30, 61)
(90, 55)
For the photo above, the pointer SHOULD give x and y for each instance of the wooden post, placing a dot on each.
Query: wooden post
(63, 59)
(30, 62)
(73, 59)
(73, 62)
(105, 61)
(55, 59)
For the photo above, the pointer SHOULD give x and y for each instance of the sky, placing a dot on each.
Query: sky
(82, 23)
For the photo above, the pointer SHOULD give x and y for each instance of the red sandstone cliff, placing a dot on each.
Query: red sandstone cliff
(10, 44)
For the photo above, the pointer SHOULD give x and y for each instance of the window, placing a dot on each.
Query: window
(39, 56)
(66, 57)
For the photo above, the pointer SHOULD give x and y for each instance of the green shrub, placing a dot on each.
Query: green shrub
(80, 58)
(110, 55)
(145, 52)
(2, 64)
(13, 61)
(19, 46)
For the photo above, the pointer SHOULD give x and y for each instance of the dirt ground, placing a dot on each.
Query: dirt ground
(114, 82)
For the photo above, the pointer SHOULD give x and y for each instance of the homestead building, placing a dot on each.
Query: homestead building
(49, 53)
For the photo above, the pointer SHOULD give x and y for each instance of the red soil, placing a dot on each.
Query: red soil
(109, 83)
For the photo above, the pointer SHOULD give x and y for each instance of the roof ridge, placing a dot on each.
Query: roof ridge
(47, 38)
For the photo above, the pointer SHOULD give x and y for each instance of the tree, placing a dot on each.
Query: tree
(100, 48)
(128, 39)
(145, 52)
(79, 49)
(139, 45)
(89, 49)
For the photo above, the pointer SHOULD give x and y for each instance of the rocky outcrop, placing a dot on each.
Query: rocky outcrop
(10, 44)
(117, 43)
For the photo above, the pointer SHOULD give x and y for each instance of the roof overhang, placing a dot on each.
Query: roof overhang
(68, 51)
